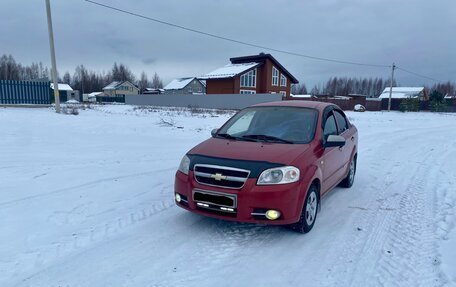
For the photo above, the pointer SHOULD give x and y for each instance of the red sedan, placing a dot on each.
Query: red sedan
(270, 163)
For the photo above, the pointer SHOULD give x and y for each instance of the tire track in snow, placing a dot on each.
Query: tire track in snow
(342, 256)
(226, 247)
(404, 248)
(41, 257)
(410, 255)
(445, 215)
(79, 186)
(353, 259)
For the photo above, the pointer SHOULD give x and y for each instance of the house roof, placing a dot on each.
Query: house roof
(404, 89)
(154, 89)
(305, 96)
(229, 71)
(179, 83)
(62, 87)
(402, 92)
(115, 84)
(94, 94)
(260, 58)
(112, 86)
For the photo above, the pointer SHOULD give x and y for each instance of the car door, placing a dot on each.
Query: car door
(333, 157)
(343, 129)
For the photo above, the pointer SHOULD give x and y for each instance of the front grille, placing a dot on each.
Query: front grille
(222, 176)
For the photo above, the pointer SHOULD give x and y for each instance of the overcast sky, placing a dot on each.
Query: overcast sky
(417, 35)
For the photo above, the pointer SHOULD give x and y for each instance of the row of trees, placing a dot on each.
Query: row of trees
(372, 87)
(88, 81)
(81, 79)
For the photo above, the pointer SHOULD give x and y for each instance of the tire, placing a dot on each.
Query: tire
(350, 178)
(309, 211)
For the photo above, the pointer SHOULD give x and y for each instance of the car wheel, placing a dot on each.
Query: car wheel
(309, 212)
(350, 178)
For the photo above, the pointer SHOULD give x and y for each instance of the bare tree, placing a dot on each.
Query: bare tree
(66, 78)
(315, 91)
(79, 79)
(143, 83)
(157, 83)
(122, 73)
(299, 89)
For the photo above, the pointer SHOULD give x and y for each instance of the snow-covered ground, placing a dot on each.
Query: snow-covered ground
(87, 200)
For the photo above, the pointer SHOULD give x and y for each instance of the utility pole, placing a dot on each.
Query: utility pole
(54, 64)
(391, 86)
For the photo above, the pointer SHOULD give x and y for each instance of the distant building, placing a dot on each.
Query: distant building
(189, 85)
(152, 91)
(92, 97)
(357, 96)
(120, 88)
(250, 75)
(405, 92)
(66, 92)
(302, 96)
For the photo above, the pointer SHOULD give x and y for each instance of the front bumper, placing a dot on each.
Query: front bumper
(250, 201)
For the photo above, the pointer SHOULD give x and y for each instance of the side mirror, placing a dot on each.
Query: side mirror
(334, 140)
(214, 132)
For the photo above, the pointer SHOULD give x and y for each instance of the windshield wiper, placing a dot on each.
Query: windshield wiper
(231, 137)
(267, 138)
(227, 136)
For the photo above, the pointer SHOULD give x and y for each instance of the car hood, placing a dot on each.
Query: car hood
(254, 151)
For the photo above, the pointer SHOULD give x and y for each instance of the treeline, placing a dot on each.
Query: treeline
(371, 87)
(82, 79)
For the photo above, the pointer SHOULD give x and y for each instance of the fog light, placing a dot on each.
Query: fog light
(178, 197)
(272, 214)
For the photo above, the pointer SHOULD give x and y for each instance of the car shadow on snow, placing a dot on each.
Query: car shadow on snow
(209, 225)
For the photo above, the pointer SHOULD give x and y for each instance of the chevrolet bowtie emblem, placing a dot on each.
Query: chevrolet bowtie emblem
(218, 176)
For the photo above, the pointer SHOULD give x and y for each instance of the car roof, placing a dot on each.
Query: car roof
(302, 104)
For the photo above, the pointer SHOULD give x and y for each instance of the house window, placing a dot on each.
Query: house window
(283, 80)
(249, 92)
(275, 76)
(249, 79)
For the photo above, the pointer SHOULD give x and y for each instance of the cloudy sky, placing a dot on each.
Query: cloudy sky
(418, 35)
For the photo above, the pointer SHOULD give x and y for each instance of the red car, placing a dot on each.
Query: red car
(270, 163)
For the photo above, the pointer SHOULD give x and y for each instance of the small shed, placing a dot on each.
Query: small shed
(66, 92)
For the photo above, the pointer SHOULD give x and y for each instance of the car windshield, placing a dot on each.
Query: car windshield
(272, 124)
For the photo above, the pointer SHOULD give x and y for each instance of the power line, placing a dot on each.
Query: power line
(418, 75)
(234, 40)
(255, 45)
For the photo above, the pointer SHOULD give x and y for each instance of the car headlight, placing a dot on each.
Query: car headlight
(279, 175)
(184, 164)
